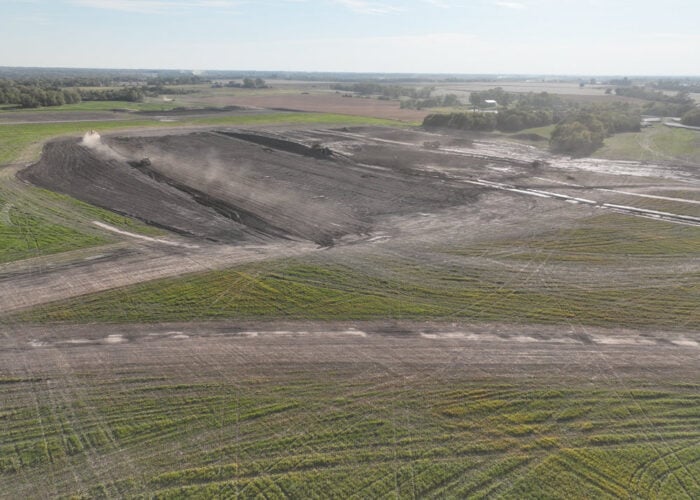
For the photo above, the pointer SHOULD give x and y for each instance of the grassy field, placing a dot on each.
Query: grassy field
(295, 290)
(653, 144)
(24, 235)
(205, 429)
(657, 143)
(36, 222)
(147, 105)
(575, 275)
(604, 239)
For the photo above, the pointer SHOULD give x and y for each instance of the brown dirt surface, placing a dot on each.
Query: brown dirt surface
(239, 187)
(481, 349)
(333, 103)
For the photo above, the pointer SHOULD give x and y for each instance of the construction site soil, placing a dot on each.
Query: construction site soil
(243, 186)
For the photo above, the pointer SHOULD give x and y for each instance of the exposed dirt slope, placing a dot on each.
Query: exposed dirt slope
(110, 182)
(238, 187)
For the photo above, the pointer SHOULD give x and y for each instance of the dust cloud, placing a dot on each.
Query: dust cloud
(92, 140)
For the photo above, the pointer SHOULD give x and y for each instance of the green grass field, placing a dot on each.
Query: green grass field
(35, 222)
(343, 431)
(653, 144)
(298, 290)
(147, 105)
(24, 234)
(500, 289)
(603, 239)
(657, 143)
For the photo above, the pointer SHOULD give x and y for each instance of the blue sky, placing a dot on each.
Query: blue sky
(612, 37)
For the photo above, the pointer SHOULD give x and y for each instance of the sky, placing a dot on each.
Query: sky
(553, 37)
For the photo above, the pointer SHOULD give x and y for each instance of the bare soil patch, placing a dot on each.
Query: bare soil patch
(237, 187)
(333, 103)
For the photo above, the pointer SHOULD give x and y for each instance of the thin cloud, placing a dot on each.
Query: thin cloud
(154, 6)
(438, 3)
(511, 5)
(366, 7)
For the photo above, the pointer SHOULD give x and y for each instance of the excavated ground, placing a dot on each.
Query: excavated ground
(241, 186)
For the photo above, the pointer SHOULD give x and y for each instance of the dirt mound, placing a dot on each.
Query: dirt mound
(316, 150)
(241, 186)
(88, 175)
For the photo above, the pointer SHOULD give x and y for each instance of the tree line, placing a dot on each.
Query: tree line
(580, 129)
(659, 104)
(388, 91)
(442, 101)
(37, 94)
(692, 118)
(33, 96)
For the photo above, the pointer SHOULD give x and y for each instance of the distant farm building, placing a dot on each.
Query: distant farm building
(490, 103)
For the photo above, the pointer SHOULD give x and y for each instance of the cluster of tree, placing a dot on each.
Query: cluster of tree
(660, 104)
(157, 90)
(580, 132)
(34, 96)
(247, 83)
(519, 118)
(183, 79)
(679, 85)
(444, 101)
(65, 82)
(541, 100)
(230, 84)
(478, 99)
(82, 77)
(389, 91)
(692, 118)
(508, 120)
(584, 131)
(517, 111)
(621, 82)
(40, 93)
(258, 83)
(129, 94)
(482, 122)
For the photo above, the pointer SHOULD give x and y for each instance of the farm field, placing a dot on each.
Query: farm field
(264, 303)
(317, 101)
(367, 410)
(654, 144)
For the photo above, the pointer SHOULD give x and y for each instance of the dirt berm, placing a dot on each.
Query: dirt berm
(241, 186)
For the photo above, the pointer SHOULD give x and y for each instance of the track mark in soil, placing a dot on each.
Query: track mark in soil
(141, 237)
